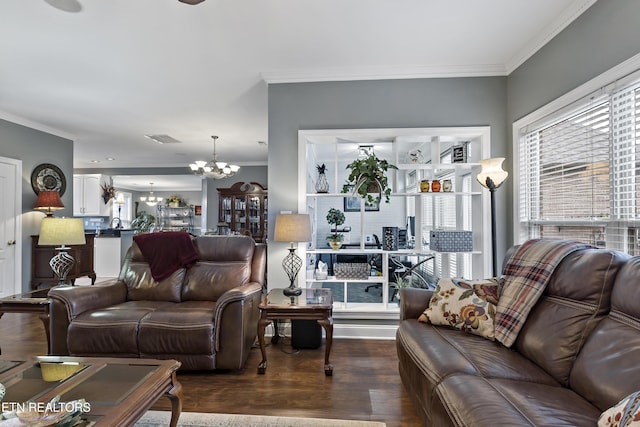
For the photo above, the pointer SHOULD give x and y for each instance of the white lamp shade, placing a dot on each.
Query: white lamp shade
(293, 228)
(61, 231)
(120, 199)
(492, 168)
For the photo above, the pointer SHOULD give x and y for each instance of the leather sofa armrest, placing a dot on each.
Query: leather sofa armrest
(78, 299)
(251, 292)
(236, 294)
(69, 302)
(413, 302)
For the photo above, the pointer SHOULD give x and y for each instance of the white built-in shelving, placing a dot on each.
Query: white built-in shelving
(465, 207)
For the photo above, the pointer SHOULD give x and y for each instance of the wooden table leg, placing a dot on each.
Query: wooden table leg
(327, 324)
(262, 325)
(175, 397)
(276, 337)
(44, 317)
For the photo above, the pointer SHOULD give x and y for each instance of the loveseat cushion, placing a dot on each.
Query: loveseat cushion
(118, 327)
(608, 367)
(183, 328)
(224, 263)
(141, 285)
(465, 400)
(428, 354)
(576, 298)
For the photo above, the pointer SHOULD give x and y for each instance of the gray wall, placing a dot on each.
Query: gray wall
(34, 147)
(604, 36)
(372, 104)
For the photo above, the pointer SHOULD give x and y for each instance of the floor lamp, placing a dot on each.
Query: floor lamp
(292, 228)
(61, 231)
(491, 177)
(119, 201)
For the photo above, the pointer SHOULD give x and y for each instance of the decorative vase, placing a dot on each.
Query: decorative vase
(322, 185)
(424, 186)
(435, 186)
(335, 245)
(447, 185)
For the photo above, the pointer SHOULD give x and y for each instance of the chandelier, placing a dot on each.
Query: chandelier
(151, 200)
(213, 168)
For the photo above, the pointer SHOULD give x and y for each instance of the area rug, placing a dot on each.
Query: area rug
(197, 419)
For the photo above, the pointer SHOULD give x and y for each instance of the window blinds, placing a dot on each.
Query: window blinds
(579, 174)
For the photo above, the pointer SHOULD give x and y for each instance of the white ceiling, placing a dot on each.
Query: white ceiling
(106, 72)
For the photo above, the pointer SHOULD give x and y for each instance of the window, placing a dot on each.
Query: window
(123, 211)
(579, 172)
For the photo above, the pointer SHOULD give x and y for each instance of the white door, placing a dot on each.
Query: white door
(10, 227)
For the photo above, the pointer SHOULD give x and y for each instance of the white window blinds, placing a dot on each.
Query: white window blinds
(579, 174)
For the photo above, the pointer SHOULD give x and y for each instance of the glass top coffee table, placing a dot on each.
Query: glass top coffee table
(312, 304)
(117, 391)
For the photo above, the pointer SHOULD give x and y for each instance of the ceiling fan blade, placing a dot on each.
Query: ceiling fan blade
(191, 1)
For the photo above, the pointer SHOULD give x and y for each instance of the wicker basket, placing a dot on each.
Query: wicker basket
(352, 270)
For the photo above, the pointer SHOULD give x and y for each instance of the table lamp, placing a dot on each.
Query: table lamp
(48, 201)
(491, 177)
(292, 228)
(61, 231)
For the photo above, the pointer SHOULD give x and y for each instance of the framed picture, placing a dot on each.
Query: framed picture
(459, 154)
(352, 204)
(198, 209)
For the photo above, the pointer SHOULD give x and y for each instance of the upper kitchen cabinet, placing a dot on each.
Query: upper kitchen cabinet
(87, 195)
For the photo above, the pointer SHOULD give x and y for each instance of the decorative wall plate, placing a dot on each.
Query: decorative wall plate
(48, 177)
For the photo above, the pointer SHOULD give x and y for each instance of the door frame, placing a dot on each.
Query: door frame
(17, 214)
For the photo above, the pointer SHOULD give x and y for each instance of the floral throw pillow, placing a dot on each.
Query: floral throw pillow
(468, 305)
(625, 413)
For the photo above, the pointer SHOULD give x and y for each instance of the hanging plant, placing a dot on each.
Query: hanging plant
(367, 176)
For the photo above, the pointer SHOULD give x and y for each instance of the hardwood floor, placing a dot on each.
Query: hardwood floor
(365, 384)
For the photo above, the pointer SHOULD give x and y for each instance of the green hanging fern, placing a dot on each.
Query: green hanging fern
(368, 176)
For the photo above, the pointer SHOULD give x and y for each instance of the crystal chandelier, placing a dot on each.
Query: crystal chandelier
(213, 168)
(151, 200)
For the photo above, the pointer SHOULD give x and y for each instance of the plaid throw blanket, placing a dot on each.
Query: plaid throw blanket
(525, 277)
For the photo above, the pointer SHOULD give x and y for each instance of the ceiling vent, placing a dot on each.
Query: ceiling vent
(163, 139)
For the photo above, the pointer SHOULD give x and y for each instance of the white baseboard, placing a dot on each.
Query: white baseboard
(349, 331)
(373, 332)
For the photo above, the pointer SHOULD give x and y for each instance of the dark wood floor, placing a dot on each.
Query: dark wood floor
(365, 384)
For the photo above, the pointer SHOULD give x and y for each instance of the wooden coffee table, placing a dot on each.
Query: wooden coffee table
(312, 304)
(118, 390)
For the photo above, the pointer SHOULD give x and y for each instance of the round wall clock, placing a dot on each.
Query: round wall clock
(48, 177)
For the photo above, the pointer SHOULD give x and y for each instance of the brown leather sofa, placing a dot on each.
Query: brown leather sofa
(204, 316)
(577, 355)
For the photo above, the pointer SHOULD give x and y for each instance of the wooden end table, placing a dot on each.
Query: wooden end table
(312, 304)
(29, 302)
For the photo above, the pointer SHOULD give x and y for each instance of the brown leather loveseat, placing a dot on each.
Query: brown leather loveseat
(204, 315)
(577, 355)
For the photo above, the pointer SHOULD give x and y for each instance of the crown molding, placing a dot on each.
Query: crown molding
(444, 71)
(382, 73)
(35, 125)
(562, 21)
